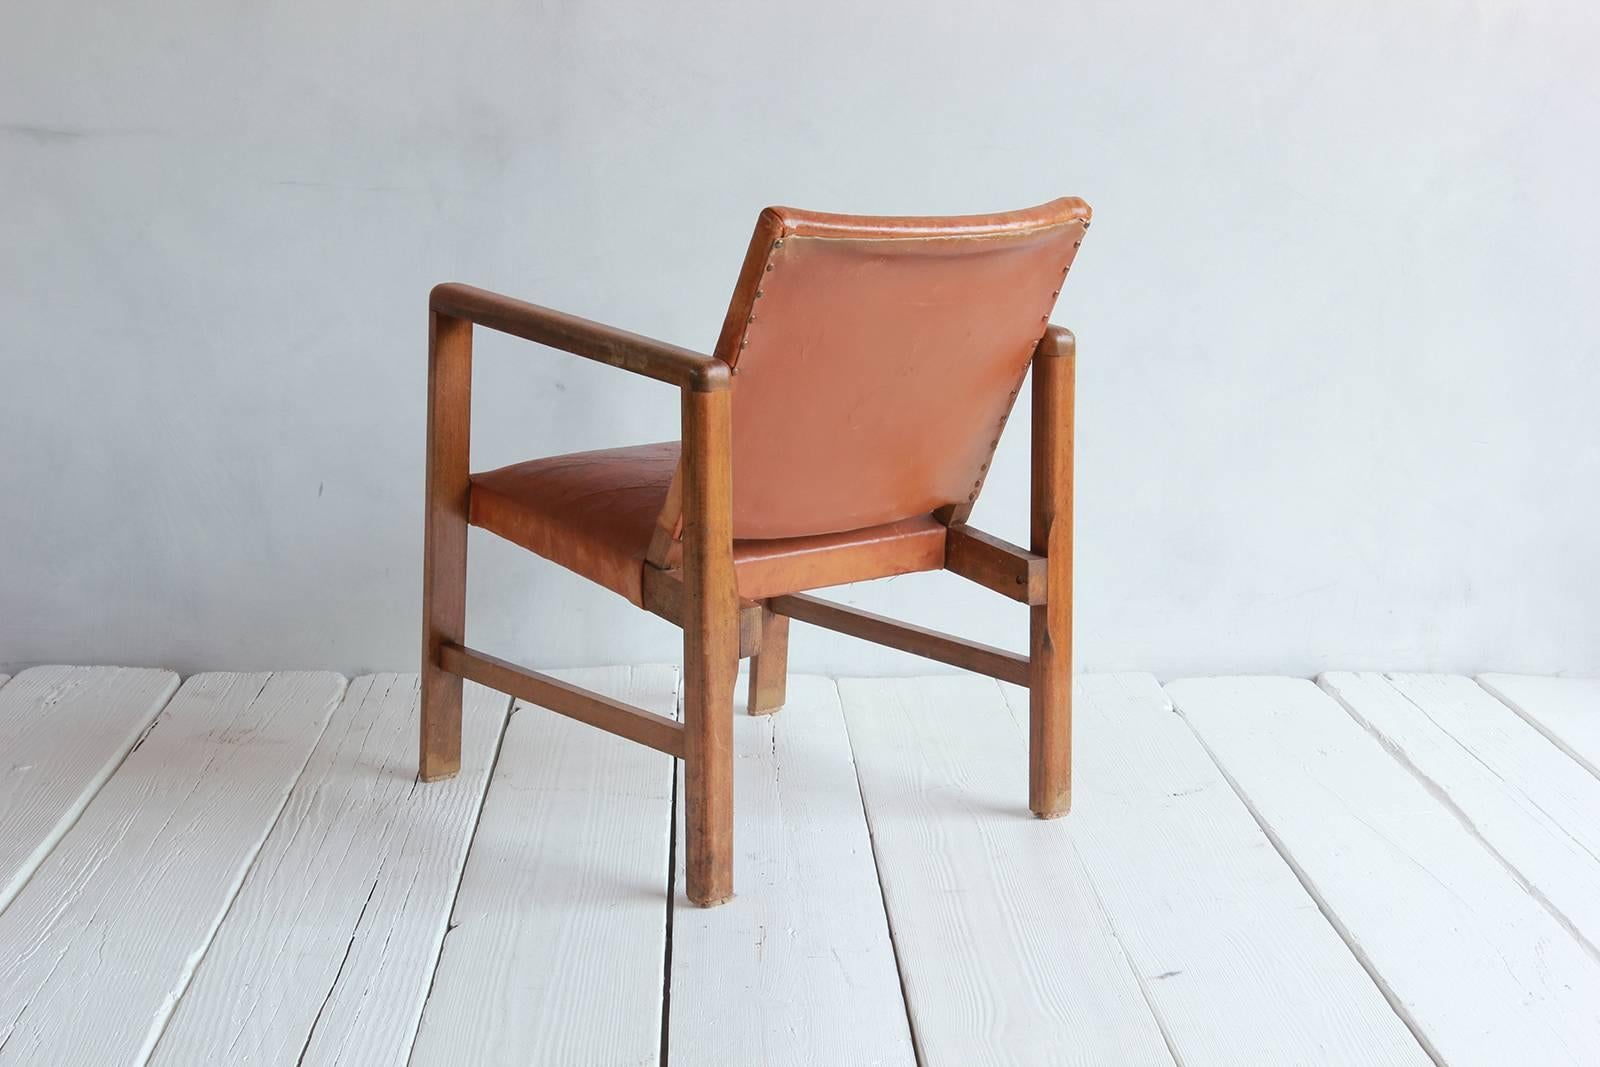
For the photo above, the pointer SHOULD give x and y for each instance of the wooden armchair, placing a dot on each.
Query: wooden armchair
(840, 430)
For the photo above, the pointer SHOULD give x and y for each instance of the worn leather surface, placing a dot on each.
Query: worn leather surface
(795, 564)
(876, 359)
(594, 512)
(591, 512)
(875, 363)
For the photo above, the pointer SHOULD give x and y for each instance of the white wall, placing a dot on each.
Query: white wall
(1337, 315)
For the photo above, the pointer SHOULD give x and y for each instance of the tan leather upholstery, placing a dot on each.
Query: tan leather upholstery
(875, 363)
(878, 358)
(591, 512)
(594, 513)
(794, 564)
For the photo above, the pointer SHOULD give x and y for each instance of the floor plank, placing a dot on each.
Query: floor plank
(558, 939)
(328, 950)
(103, 939)
(1234, 956)
(1483, 973)
(798, 967)
(63, 730)
(1531, 805)
(1006, 954)
(1566, 710)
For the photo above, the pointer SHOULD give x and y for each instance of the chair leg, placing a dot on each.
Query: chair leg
(440, 755)
(1050, 713)
(710, 646)
(444, 547)
(1050, 623)
(708, 769)
(441, 725)
(769, 668)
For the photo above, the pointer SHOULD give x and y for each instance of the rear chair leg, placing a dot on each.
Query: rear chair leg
(444, 543)
(1050, 623)
(1049, 713)
(769, 668)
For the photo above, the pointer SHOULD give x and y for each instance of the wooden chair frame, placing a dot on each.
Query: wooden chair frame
(718, 627)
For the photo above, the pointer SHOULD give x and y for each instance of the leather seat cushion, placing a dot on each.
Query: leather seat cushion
(591, 512)
(594, 513)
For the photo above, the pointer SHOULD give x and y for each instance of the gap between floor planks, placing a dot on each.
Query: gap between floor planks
(64, 731)
(1154, 924)
(1532, 807)
(326, 953)
(797, 968)
(1163, 991)
(321, 892)
(1564, 710)
(1482, 970)
(558, 932)
(114, 920)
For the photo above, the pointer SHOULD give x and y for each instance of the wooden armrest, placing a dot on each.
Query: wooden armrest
(581, 337)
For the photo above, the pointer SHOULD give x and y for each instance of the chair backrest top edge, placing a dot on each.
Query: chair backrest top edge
(800, 223)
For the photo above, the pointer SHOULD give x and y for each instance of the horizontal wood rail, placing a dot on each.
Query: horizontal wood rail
(995, 564)
(663, 596)
(575, 702)
(930, 644)
(582, 337)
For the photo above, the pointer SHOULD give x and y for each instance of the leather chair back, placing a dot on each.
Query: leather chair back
(877, 359)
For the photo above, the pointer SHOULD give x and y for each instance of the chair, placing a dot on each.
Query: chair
(840, 430)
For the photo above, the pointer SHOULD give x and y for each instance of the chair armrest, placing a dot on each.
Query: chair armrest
(581, 337)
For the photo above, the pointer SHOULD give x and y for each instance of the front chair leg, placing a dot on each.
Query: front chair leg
(711, 668)
(444, 542)
(769, 668)
(710, 643)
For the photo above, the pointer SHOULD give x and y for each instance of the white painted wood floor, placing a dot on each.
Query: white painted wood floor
(1366, 869)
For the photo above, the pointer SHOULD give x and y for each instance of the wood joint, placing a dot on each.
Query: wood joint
(995, 564)
(663, 596)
